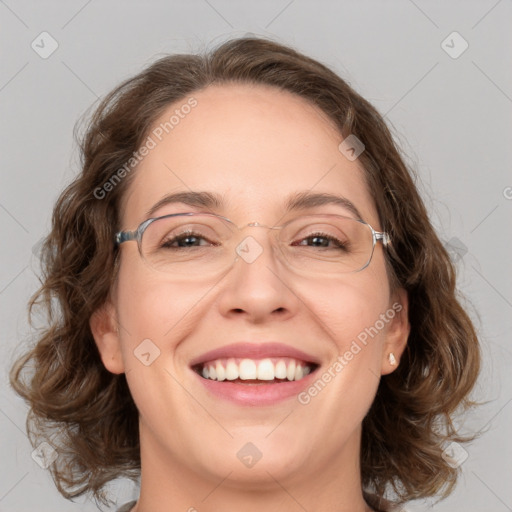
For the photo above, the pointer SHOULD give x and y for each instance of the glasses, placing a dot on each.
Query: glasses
(204, 244)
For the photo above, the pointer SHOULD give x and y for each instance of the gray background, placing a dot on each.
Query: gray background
(451, 116)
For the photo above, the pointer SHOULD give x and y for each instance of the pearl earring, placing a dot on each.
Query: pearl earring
(392, 359)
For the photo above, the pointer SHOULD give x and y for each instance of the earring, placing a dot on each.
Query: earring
(392, 359)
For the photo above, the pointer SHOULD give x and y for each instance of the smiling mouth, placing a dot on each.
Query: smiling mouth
(255, 371)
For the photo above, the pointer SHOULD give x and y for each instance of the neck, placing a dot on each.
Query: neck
(169, 485)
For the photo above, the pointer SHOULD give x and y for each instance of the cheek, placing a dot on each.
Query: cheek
(349, 307)
(153, 307)
(351, 312)
(154, 314)
(152, 303)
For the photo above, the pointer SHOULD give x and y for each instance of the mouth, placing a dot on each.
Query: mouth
(267, 370)
(255, 374)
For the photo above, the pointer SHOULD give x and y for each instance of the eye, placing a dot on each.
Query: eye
(322, 240)
(184, 240)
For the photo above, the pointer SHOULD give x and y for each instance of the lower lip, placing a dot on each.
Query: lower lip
(257, 394)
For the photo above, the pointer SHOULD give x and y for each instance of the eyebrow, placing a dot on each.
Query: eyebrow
(295, 202)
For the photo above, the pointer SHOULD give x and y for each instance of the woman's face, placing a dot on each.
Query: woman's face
(254, 146)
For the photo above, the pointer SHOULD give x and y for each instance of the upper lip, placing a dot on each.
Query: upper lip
(255, 351)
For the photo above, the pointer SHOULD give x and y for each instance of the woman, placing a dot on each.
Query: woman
(254, 309)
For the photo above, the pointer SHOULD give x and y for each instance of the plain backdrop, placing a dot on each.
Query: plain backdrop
(438, 70)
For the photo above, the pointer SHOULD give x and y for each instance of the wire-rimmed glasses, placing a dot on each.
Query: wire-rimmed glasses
(205, 244)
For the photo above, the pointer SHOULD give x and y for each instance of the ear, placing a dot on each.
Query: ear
(397, 332)
(104, 328)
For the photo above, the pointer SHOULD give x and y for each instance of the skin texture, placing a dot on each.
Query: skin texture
(255, 145)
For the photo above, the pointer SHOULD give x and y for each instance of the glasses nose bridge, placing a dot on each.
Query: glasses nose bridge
(270, 238)
(271, 230)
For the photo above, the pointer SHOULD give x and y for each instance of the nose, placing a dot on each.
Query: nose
(258, 283)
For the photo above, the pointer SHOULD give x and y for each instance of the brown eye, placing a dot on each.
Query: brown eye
(183, 241)
(322, 240)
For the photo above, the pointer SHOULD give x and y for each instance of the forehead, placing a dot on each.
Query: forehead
(253, 145)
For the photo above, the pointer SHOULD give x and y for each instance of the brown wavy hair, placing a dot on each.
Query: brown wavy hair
(87, 413)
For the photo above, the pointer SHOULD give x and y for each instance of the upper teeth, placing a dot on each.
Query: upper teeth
(260, 369)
